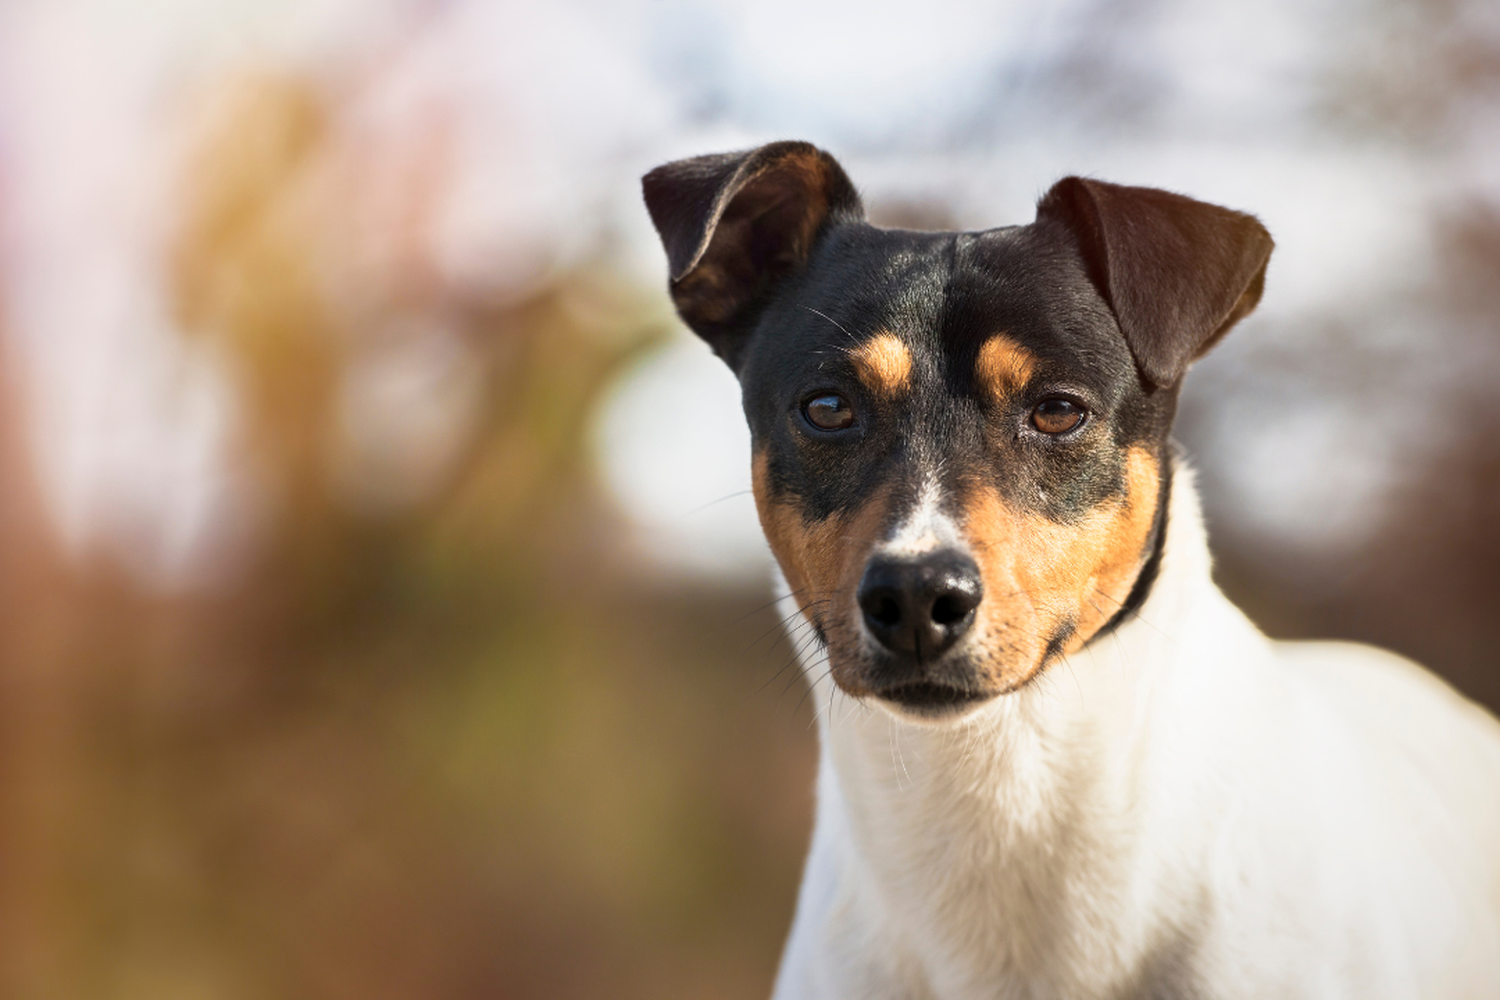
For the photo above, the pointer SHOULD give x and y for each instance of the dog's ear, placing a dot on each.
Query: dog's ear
(735, 223)
(1178, 273)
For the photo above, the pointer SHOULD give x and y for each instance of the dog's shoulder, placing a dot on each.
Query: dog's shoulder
(1423, 761)
(1401, 709)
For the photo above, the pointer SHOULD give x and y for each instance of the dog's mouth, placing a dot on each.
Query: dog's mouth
(933, 700)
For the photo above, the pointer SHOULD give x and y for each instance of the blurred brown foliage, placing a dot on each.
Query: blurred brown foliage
(449, 747)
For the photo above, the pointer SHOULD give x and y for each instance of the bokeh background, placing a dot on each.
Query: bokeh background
(382, 609)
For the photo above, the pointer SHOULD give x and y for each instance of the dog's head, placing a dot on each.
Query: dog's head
(960, 439)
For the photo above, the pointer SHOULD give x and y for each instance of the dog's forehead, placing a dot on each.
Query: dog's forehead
(900, 306)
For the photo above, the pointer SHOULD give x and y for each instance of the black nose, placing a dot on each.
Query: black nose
(920, 607)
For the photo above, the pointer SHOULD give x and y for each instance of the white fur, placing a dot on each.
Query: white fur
(1182, 809)
(926, 528)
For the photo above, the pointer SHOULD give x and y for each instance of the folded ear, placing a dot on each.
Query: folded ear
(733, 224)
(1178, 273)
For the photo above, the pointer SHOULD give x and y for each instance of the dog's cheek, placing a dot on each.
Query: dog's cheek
(1050, 586)
(1120, 546)
(809, 550)
(823, 560)
(1093, 564)
(803, 563)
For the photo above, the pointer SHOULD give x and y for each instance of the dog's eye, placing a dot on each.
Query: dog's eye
(829, 412)
(1056, 415)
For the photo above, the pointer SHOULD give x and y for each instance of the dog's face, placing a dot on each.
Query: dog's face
(960, 439)
(961, 479)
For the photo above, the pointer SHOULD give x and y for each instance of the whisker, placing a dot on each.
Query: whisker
(798, 649)
(811, 686)
(971, 741)
(853, 703)
(775, 600)
(1074, 674)
(705, 506)
(902, 756)
(777, 676)
(890, 739)
(1114, 635)
(830, 319)
(782, 623)
(1136, 614)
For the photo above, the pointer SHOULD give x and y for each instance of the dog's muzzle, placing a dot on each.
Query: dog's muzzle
(917, 609)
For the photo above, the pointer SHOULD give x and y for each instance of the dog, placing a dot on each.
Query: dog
(1055, 760)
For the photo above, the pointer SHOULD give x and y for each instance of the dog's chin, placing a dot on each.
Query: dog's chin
(951, 690)
(932, 702)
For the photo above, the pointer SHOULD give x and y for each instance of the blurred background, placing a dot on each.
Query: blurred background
(382, 607)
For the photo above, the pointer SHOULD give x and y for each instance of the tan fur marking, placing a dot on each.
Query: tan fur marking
(1003, 366)
(823, 562)
(1039, 574)
(884, 364)
(807, 170)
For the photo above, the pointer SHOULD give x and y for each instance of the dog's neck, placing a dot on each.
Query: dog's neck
(997, 842)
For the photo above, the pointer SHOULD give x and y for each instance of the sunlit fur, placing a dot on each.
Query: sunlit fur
(884, 364)
(1003, 366)
(1182, 808)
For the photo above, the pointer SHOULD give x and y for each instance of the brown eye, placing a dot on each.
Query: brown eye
(1056, 415)
(830, 412)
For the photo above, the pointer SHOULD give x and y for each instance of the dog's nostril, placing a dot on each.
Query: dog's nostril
(949, 608)
(885, 610)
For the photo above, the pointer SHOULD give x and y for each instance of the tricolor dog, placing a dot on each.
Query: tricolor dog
(1056, 761)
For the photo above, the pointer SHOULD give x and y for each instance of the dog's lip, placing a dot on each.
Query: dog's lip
(933, 698)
